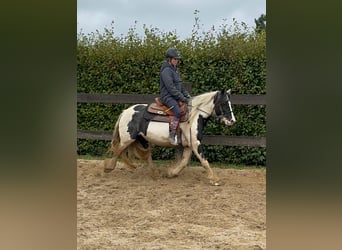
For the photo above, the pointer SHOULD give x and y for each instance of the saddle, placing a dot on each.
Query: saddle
(157, 111)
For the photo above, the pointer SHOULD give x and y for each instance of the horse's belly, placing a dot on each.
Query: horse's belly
(158, 133)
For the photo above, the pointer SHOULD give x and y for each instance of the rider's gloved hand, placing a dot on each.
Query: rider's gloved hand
(188, 98)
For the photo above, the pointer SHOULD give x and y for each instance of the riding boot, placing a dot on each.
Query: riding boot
(174, 122)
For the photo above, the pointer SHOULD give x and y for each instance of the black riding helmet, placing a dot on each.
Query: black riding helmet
(172, 53)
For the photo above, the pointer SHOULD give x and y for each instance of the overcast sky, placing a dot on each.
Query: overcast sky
(166, 15)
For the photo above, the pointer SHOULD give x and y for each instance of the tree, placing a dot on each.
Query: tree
(260, 23)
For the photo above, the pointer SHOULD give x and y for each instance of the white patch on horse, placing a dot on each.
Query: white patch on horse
(158, 133)
(233, 117)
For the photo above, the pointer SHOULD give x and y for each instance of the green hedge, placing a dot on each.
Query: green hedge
(232, 57)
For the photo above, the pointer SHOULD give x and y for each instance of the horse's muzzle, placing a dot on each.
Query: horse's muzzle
(228, 122)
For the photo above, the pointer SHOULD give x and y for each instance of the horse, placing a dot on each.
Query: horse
(136, 129)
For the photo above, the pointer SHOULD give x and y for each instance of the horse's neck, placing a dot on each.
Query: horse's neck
(204, 104)
(206, 112)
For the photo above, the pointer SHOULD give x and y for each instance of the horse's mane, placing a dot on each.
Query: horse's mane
(203, 98)
(200, 101)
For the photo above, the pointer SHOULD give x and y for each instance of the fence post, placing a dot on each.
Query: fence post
(188, 86)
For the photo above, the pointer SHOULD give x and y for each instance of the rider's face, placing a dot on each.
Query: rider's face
(174, 61)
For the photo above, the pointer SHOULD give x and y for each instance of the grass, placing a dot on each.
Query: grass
(90, 157)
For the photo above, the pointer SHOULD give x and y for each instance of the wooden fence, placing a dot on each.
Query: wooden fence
(249, 141)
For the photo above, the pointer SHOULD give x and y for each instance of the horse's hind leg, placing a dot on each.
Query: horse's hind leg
(110, 164)
(144, 152)
(141, 150)
(181, 164)
(126, 158)
(154, 172)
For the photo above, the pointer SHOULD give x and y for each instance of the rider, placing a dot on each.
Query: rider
(172, 90)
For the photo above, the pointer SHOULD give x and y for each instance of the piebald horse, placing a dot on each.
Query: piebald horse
(134, 133)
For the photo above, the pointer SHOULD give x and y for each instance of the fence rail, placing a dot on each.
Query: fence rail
(148, 98)
(249, 141)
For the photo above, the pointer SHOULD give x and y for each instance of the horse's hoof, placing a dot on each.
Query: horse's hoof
(171, 176)
(108, 170)
(215, 183)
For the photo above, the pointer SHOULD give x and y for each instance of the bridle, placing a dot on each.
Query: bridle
(221, 112)
(218, 106)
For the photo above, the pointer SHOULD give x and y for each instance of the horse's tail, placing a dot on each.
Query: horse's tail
(129, 151)
(116, 136)
(132, 152)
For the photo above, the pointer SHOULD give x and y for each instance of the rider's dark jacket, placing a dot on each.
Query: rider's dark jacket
(171, 85)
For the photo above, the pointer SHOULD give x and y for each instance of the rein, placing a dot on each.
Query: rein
(199, 107)
(200, 110)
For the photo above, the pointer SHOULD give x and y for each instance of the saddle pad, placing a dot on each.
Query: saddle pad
(164, 110)
(163, 118)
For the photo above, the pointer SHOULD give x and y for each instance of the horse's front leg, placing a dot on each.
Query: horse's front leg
(198, 151)
(181, 164)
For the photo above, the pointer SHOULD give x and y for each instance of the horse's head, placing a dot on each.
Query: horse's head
(223, 108)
